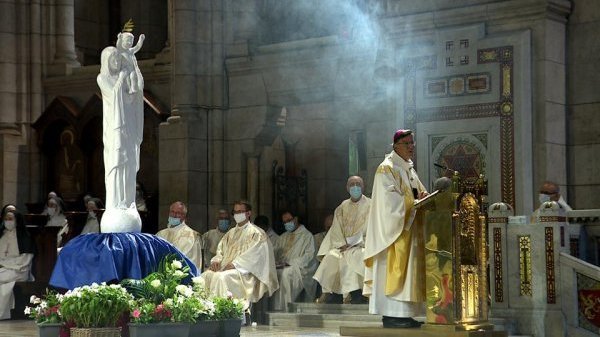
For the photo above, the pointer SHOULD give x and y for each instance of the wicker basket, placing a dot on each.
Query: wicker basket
(96, 332)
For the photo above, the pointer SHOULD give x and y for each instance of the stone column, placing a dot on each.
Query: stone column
(549, 92)
(252, 171)
(183, 153)
(65, 57)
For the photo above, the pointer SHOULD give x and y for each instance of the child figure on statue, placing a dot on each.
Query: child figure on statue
(129, 63)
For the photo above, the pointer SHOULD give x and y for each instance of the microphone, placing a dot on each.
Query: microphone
(443, 167)
(441, 184)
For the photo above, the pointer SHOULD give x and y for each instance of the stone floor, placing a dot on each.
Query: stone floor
(28, 329)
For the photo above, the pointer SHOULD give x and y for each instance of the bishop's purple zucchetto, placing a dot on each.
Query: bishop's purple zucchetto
(401, 134)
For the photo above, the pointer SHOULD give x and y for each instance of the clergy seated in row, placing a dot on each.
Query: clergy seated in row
(244, 263)
(341, 254)
(263, 222)
(321, 235)
(295, 263)
(180, 235)
(16, 254)
(211, 238)
(55, 209)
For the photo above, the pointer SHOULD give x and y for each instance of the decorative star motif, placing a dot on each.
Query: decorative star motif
(463, 158)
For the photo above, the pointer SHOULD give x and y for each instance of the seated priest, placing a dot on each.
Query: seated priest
(211, 239)
(295, 262)
(244, 263)
(321, 235)
(262, 221)
(341, 254)
(16, 254)
(180, 235)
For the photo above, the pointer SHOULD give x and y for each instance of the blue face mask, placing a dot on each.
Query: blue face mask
(355, 192)
(289, 226)
(223, 225)
(173, 222)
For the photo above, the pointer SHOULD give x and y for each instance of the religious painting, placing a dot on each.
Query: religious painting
(69, 167)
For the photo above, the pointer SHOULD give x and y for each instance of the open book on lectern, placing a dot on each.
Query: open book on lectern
(424, 201)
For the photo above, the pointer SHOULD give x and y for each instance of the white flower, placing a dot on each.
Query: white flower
(184, 290)
(198, 280)
(176, 264)
(179, 273)
(34, 299)
(169, 302)
(43, 305)
(27, 310)
(155, 283)
(95, 285)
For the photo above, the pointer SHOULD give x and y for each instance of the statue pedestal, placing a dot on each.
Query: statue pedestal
(117, 220)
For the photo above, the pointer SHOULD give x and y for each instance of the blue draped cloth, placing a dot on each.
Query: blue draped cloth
(105, 257)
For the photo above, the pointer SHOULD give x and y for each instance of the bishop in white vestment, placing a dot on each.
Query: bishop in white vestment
(394, 247)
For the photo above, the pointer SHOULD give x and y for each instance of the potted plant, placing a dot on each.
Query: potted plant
(95, 310)
(205, 323)
(229, 311)
(46, 313)
(163, 306)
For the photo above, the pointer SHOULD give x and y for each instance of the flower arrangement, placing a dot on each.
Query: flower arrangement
(97, 305)
(46, 310)
(161, 296)
(228, 307)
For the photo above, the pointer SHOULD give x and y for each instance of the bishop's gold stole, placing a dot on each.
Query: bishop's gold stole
(399, 251)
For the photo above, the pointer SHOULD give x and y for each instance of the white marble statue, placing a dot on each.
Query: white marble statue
(122, 124)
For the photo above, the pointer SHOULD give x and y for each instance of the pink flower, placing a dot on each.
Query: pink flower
(136, 313)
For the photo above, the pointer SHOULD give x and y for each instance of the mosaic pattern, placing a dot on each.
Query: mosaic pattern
(550, 277)
(457, 85)
(463, 157)
(498, 281)
(552, 219)
(525, 274)
(588, 290)
(503, 108)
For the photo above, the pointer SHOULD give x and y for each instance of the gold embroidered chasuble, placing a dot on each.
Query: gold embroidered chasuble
(393, 229)
(187, 240)
(342, 272)
(249, 249)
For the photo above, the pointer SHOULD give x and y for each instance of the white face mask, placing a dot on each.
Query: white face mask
(543, 198)
(51, 211)
(239, 217)
(10, 224)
